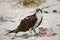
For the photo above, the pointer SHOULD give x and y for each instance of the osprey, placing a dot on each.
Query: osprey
(29, 22)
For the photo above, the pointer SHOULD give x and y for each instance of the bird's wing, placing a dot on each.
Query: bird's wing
(27, 23)
(31, 18)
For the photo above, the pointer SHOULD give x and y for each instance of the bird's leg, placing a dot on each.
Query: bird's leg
(35, 32)
(31, 31)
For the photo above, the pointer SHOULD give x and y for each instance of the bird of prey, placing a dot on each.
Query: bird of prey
(29, 22)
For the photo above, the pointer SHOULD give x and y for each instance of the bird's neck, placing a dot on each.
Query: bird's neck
(38, 15)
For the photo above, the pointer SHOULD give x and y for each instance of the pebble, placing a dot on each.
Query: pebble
(55, 11)
(45, 11)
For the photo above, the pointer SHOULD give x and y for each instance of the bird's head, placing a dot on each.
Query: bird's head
(38, 10)
(38, 13)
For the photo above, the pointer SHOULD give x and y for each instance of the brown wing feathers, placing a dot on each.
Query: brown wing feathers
(25, 24)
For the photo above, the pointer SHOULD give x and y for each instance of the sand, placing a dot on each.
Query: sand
(13, 15)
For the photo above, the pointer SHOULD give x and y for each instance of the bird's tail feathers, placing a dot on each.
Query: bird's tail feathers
(10, 32)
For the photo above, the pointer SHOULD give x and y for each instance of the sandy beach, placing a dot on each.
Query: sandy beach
(12, 16)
